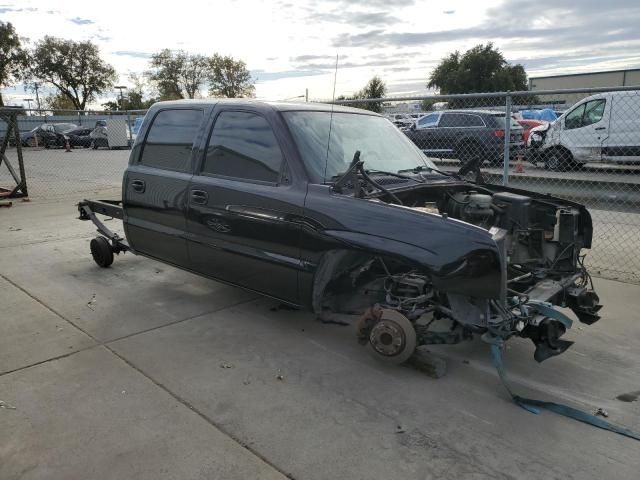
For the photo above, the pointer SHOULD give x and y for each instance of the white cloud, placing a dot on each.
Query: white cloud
(278, 40)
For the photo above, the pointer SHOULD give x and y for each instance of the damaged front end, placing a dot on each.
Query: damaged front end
(538, 240)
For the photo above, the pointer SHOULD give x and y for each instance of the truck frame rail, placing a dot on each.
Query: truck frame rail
(89, 209)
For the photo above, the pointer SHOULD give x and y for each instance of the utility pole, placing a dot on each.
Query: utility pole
(36, 87)
(121, 87)
(306, 94)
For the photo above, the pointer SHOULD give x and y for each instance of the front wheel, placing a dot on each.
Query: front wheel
(392, 339)
(94, 145)
(559, 161)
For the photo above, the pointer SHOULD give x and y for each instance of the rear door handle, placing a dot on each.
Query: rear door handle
(138, 186)
(199, 196)
(600, 128)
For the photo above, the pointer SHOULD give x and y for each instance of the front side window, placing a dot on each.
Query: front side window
(243, 145)
(170, 139)
(430, 120)
(574, 118)
(593, 112)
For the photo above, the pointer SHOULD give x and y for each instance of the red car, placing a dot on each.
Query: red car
(527, 125)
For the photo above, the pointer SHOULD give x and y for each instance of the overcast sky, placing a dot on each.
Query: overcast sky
(290, 45)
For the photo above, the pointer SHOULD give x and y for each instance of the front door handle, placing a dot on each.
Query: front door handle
(199, 196)
(600, 128)
(138, 186)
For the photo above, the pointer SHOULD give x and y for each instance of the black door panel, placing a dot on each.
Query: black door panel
(155, 185)
(246, 234)
(241, 216)
(155, 207)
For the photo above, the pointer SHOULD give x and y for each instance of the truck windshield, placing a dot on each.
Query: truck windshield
(382, 146)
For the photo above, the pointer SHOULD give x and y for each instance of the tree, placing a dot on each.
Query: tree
(375, 88)
(229, 78)
(135, 98)
(59, 103)
(427, 104)
(13, 56)
(480, 69)
(74, 68)
(178, 74)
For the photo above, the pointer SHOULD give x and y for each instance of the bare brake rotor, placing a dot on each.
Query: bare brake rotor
(388, 335)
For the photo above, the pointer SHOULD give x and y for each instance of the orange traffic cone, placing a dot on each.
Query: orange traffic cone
(519, 165)
(66, 145)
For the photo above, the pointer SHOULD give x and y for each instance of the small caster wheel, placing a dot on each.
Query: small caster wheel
(392, 339)
(101, 252)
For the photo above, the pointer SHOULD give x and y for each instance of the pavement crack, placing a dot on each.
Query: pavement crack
(198, 412)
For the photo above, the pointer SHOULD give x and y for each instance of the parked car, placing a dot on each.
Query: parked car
(333, 209)
(48, 135)
(527, 125)
(600, 128)
(137, 123)
(112, 133)
(466, 135)
(79, 137)
(401, 120)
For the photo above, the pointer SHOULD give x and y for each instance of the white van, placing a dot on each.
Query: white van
(600, 128)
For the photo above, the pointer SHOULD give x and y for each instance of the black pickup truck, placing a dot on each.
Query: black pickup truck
(333, 209)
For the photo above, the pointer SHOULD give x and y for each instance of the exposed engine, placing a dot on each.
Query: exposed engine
(539, 241)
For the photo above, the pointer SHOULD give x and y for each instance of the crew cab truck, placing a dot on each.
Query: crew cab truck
(333, 209)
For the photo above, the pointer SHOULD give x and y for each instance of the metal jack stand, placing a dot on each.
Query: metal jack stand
(10, 116)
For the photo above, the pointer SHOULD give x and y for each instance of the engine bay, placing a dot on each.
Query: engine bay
(542, 238)
(540, 241)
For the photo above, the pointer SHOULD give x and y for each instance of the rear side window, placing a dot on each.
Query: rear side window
(449, 120)
(243, 145)
(170, 139)
(460, 120)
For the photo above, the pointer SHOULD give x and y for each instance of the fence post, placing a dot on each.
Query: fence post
(507, 139)
(129, 126)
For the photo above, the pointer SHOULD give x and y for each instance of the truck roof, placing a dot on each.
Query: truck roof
(263, 105)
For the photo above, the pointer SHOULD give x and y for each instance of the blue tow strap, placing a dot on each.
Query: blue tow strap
(533, 406)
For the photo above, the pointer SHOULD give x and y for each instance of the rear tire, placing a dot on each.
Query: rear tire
(101, 252)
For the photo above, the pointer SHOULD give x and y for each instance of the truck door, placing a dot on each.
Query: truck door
(623, 142)
(156, 182)
(242, 207)
(585, 129)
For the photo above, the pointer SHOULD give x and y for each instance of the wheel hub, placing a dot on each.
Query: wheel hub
(389, 335)
(387, 338)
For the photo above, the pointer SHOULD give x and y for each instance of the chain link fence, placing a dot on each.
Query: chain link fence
(71, 153)
(583, 145)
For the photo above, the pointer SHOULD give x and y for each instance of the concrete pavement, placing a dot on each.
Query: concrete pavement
(144, 371)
